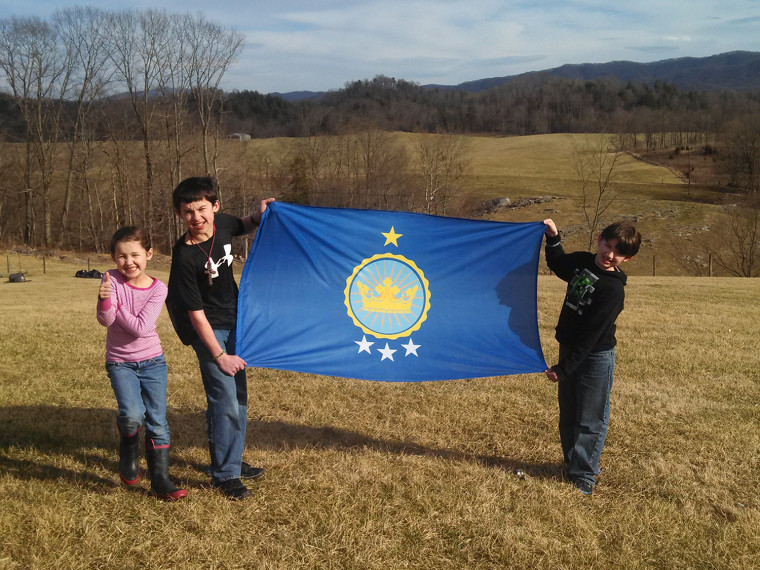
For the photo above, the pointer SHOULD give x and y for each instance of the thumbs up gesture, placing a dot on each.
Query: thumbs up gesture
(105, 287)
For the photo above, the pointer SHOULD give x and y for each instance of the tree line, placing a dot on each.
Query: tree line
(644, 116)
(537, 104)
(102, 113)
(84, 85)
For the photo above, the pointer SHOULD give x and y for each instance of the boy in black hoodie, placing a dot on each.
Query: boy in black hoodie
(586, 336)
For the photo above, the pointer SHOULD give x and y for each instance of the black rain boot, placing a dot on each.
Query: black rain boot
(158, 467)
(129, 457)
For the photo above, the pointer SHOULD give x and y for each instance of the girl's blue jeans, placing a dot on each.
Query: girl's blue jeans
(140, 390)
(584, 413)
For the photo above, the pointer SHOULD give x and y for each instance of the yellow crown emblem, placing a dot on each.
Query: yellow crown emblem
(386, 298)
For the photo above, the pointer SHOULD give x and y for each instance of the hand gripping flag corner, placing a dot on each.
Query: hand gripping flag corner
(391, 296)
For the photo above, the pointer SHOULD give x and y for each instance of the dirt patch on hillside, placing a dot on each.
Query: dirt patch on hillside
(700, 165)
(498, 204)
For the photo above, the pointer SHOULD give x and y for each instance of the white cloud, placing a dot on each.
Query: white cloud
(321, 44)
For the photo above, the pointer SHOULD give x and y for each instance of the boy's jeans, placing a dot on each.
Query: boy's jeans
(140, 390)
(227, 409)
(584, 413)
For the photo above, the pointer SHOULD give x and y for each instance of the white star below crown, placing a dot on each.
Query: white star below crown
(364, 344)
(387, 352)
(411, 348)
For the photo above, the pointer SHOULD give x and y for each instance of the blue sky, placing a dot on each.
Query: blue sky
(317, 45)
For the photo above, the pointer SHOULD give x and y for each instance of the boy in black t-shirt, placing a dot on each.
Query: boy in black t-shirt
(586, 336)
(202, 304)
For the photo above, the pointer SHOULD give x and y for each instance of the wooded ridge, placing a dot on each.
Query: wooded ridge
(103, 113)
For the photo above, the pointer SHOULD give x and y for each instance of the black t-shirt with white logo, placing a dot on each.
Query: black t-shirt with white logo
(201, 278)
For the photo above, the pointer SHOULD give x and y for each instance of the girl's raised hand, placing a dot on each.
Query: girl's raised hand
(105, 287)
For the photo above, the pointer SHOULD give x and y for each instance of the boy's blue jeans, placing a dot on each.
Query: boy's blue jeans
(140, 390)
(227, 409)
(584, 413)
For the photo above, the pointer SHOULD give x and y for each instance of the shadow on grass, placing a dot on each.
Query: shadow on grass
(88, 436)
(273, 435)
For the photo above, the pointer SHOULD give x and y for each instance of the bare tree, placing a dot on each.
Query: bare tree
(345, 173)
(37, 71)
(137, 40)
(595, 161)
(173, 92)
(742, 154)
(309, 170)
(116, 149)
(211, 51)
(443, 164)
(738, 238)
(4, 190)
(384, 164)
(81, 33)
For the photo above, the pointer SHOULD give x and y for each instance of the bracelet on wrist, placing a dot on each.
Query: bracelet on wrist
(217, 357)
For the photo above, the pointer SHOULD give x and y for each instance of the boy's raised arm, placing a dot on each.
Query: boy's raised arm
(250, 222)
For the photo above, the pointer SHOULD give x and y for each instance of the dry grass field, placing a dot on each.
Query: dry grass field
(373, 475)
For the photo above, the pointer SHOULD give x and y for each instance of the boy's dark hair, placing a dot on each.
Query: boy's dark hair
(629, 238)
(194, 189)
(130, 233)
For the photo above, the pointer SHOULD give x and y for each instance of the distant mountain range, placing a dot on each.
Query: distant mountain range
(732, 71)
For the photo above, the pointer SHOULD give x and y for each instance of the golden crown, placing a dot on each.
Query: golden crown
(387, 299)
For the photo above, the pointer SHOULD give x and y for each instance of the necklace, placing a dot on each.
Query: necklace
(209, 265)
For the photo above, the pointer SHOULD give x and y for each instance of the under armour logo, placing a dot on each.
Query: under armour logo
(213, 266)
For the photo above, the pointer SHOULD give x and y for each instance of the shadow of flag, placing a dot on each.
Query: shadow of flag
(391, 296)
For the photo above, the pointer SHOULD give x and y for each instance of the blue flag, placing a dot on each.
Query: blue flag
(390, 296)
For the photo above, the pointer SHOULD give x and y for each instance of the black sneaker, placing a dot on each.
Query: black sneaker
(583, 486)
(233, 489)
(248, 472)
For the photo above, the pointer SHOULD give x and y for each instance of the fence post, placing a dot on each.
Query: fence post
(44, 265)
(654, 265)
(709, 265)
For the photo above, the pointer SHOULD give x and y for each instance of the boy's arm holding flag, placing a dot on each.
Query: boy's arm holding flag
(230, 364)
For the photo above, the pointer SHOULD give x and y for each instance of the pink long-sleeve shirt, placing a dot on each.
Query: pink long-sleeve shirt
(130, 315)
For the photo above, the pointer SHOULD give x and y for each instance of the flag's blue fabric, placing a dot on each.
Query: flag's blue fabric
(390, 295)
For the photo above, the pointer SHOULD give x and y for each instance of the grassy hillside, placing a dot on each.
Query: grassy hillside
(673, 216)
(670, 213)
(666, 209)
(375, 475)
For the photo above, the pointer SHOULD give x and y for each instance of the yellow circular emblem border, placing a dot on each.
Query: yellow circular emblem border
(420, 274)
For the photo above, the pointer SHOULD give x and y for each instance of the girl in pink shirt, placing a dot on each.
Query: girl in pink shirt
(129, 302)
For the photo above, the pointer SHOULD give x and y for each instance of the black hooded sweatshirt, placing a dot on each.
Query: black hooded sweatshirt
(593, 300)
